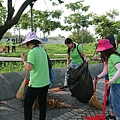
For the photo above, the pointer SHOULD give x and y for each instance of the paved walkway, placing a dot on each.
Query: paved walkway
(13, 109)
(10, 59)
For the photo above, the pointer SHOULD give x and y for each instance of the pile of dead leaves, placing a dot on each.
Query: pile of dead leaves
(52, 103)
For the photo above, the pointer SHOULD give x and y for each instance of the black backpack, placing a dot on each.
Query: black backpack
(49, 62)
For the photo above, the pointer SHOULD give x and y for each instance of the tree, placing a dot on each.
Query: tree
(88, 37)
(77, 19)
(105, 24)
(3, 12)
(45, 21)
(13, 19)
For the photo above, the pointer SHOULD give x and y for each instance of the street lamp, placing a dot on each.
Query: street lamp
(31, 10)
(83, 23)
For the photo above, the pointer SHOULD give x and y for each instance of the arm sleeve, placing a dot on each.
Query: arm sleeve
(105, 71)
(117, 74)
(31, 58)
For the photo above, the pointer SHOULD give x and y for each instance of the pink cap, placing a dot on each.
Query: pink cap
(103, 44)
(31, 36)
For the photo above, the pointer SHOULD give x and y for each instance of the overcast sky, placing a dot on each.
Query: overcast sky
(96, 6)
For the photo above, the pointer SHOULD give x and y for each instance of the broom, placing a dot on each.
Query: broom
(93, 100)
(97, 116)
(20, 91)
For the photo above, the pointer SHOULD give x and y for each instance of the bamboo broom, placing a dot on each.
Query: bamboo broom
(20, 91)
(93, 100)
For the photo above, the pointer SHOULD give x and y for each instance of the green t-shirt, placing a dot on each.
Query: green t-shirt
(113, 59)
(13, 43)
(8, 43)
(118, 49)
(39, 75)
(76, 58)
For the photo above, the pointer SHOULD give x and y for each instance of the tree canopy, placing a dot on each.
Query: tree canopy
(46, 21)
(106, 24)
(12, 19)
(79, 18)
(77, 21)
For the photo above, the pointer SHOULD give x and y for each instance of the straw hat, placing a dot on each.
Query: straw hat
(31, 36)
(103, 44)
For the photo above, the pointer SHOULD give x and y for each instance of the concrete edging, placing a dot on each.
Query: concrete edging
(10, 82)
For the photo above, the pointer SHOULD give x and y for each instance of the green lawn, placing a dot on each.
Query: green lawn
(54, 51)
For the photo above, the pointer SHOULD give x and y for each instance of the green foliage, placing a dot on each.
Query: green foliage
(79, 18)
(87, 37)
(11, 67)
(105, 24)
(52, 49)
(59, 64)
(45, 21)
(3, 13)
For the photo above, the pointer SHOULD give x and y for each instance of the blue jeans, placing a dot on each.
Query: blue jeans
(72, 65)
(115, 100)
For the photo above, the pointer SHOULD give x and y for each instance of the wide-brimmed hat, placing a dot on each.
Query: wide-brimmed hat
(103, 44)
(31, 36)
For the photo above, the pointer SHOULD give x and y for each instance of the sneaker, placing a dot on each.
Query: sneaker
(65, 86)
(109, 117)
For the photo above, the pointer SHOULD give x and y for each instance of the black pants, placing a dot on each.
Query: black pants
(13, 48)
(8, 48)
(31, 95)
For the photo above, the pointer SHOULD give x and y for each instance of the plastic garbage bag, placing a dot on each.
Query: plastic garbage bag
(80, 82)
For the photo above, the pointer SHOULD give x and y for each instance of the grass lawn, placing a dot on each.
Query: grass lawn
(53, 50)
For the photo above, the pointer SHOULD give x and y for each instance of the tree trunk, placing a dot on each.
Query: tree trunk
(13, 20)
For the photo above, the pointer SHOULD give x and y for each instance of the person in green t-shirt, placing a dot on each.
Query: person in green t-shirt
(118, 49)
(74, 59)
(37, 65)
(112, 58)
(13, 45)
(97, 56)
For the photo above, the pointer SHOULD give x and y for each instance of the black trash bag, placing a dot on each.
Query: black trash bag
(80, 82)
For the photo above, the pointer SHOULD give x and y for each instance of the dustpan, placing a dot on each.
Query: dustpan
(97, 116)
